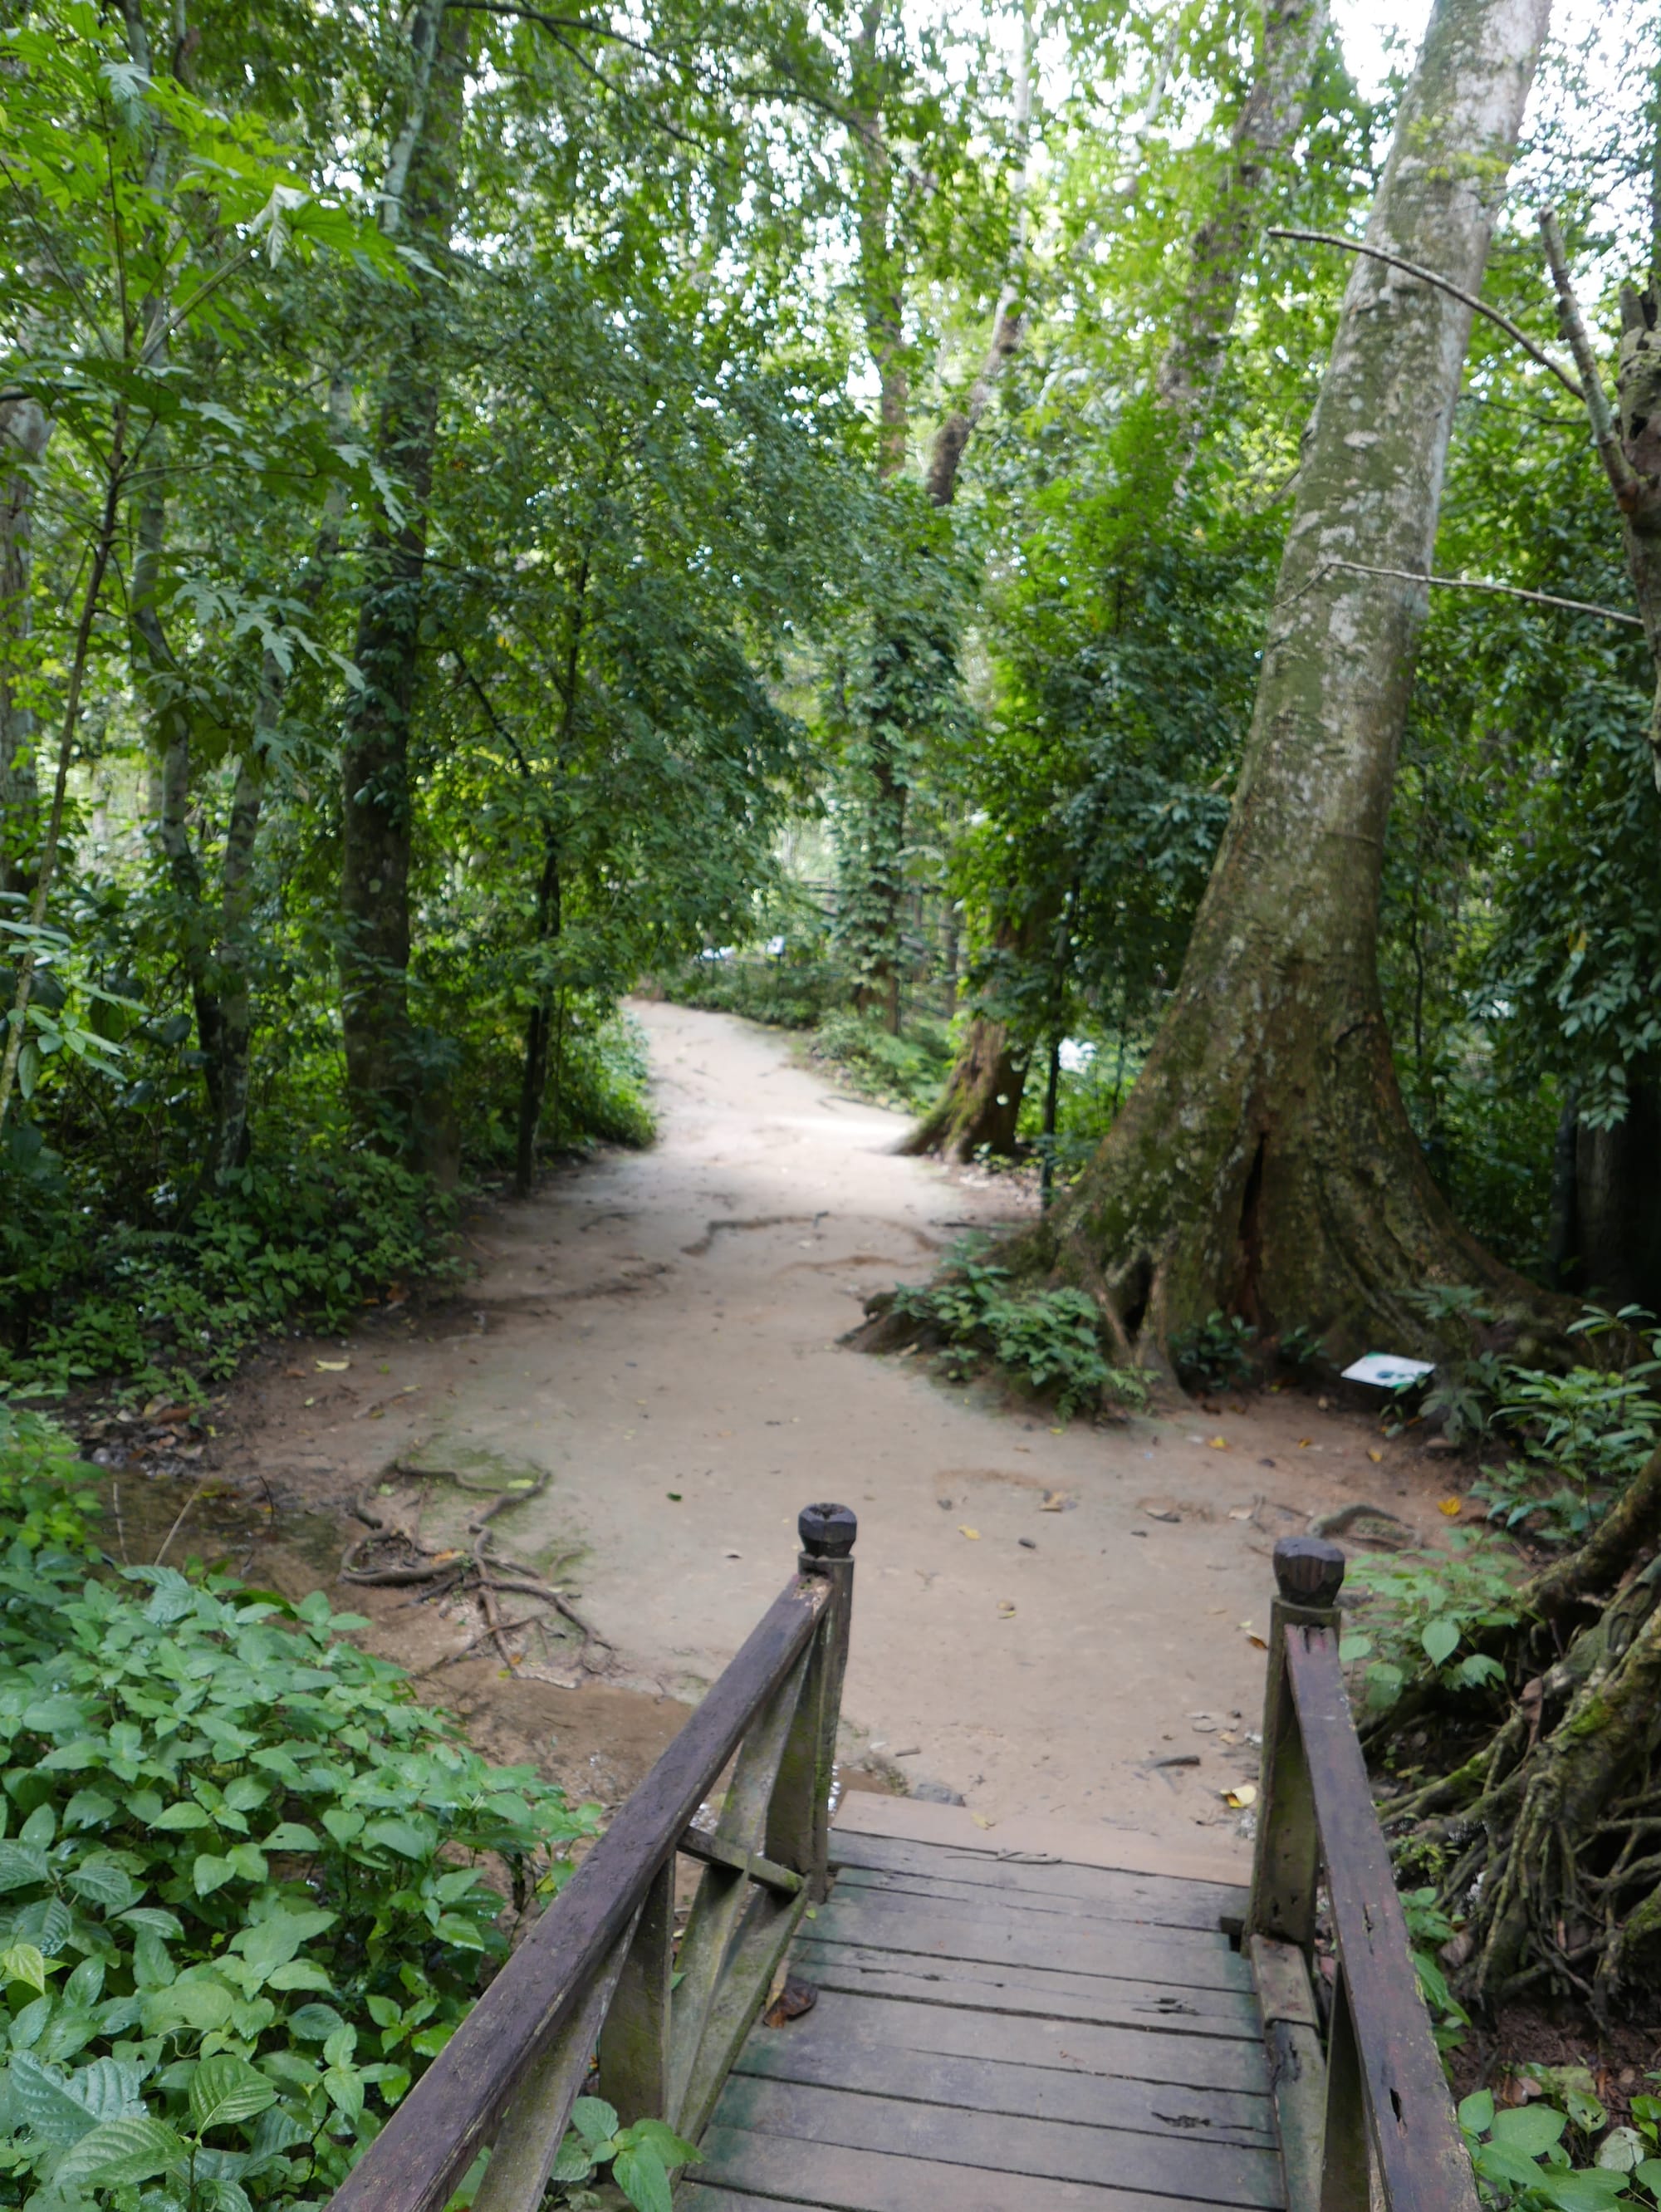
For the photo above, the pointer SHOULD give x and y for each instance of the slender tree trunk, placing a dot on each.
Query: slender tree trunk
(1264, 1162)
(538, 1031)
(24, 428)
(1293, 33)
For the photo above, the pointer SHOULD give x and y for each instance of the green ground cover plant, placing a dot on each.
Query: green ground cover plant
(248, 1886)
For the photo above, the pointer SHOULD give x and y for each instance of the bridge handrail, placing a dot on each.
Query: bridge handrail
(1362, 2098)
(598, 1971)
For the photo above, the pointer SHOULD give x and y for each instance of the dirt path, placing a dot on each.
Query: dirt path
(658, 1332)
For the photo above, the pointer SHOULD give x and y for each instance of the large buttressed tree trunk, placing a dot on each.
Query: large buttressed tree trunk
(1264, 1162)
(383, 1080)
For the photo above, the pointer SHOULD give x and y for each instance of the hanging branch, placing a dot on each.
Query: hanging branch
(1484, 584)
(1442, 284)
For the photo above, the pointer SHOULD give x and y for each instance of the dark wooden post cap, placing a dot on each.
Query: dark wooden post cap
(827, 1531)
(1308, 1572)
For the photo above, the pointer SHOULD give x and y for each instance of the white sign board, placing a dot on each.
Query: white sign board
(1388, 1369)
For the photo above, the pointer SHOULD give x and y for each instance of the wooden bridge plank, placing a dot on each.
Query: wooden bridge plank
(1173, 1903)
(1015, 2144)
(833, 2055)
(928, 1980)
(948, 1889)
(1225, 2066)
(1177, 1959)
(766, 2168)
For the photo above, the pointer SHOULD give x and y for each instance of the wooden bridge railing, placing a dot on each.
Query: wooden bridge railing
(599, 1971)
(1364, 2109)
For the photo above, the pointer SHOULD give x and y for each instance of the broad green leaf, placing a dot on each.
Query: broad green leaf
(575, 2161)
(314, 2023)
(1441, 1639)
(1530, 2129)
(118, 2154)
(639, 2173)
(180, 1817)
(594, 2119)
(190, 2003)
(23, 1962)
(103, 1882)
(401, 1836)
(225, 2088)
(1621, 2151)
(20, 1868)
(210, 1873)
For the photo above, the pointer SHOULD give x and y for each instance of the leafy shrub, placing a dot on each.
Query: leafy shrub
(167, 1307)
(1523, 2161)
(605, 1085)
(904, 1072)
(794, 990)
(1429, 1606)
(641, 2157)
(1216, 1353)
(244, 1892)
(1046, 1341)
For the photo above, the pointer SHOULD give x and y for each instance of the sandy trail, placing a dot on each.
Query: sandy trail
(659, 1332)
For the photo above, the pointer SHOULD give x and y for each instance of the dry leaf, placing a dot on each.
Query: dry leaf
(1376, 1458)
(294, 1373)
(981, 1821)
(1160, 1508)
(1239, 1512)
(1304, 1442)
(1217, 1443)
(973, 1534)
(1451, 1506)
(333, 1366)
(1055, 1501)
(1005, 1610)
(1242, 1795)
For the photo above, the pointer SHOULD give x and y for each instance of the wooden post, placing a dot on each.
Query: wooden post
(1345, 2166)
(1285, 1867)
(634, 2041)
(799, 1818)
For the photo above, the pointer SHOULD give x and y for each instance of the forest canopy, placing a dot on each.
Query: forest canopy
(499, 507)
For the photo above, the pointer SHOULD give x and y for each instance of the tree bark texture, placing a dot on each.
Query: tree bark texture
(1264, 1162)
(1293, 33)
(25, 429)
(383, 1082)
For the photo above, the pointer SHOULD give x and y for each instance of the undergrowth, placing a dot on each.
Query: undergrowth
(1046, 1342)
(905, 1072)
(248, 1886)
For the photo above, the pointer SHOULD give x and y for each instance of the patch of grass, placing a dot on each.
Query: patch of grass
(905, 1072)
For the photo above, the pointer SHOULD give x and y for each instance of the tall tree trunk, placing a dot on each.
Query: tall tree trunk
(24, 428)
(1264, 1162)
(385, 1083)
(1269, 121)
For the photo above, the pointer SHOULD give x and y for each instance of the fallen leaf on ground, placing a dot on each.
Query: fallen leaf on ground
(1055, 1501)
(294, 1373)
(1451, 1506)
(981, 1821)
(1160, 1508)
(1005, 1610)
(674, 1496)
(1217, 1443)
(1027, 1543)
(333, 1366)
(1243, 1794)
(1239, 1512)
(792, 2002)
(1304, 1442)
(1376, 1458)
(973, 1534)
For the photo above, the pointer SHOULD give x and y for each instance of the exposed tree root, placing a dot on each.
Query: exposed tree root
(392, 1555)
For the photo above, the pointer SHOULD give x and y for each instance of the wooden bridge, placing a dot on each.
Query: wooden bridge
(989, 2031)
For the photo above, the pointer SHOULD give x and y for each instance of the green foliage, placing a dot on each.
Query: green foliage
(1430, 1609)
(642, 2158)
(1428, 1928)
(1524, 2154)
(796, 990)
(1216, 1354)
(904, 1072)
(1048, 1342)
(173, 1302)
(246, 1887)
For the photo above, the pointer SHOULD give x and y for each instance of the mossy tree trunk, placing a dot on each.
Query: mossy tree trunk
(1264, 1162)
